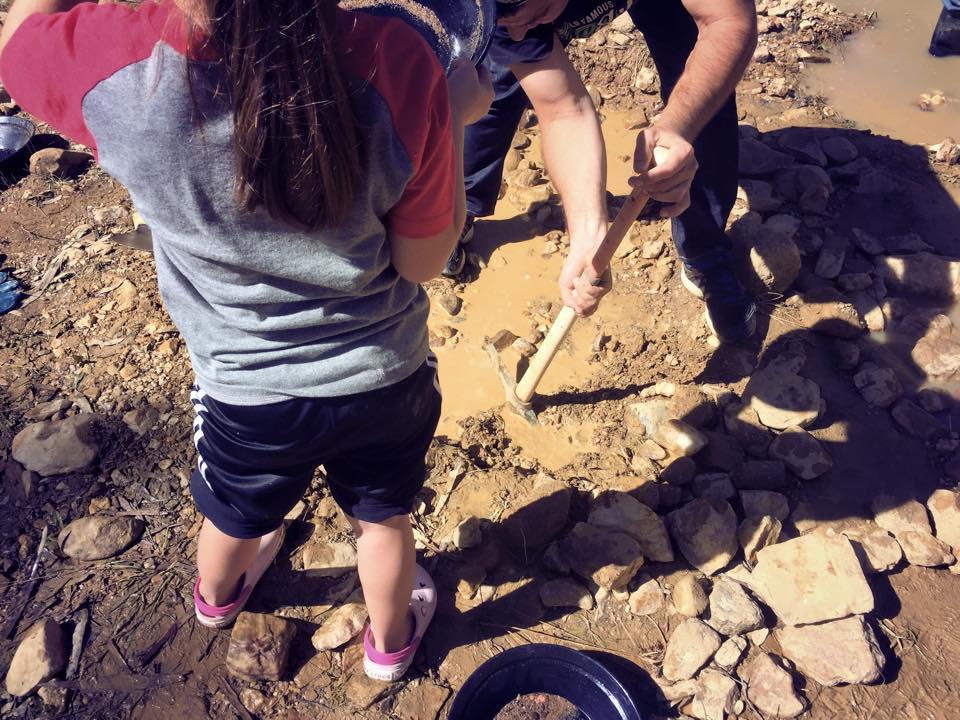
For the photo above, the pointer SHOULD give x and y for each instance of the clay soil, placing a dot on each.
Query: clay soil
(144, 656)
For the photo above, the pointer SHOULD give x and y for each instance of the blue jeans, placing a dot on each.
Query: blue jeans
(698, 233)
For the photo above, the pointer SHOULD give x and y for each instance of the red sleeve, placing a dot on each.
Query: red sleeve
(416, 92)
(53, 60)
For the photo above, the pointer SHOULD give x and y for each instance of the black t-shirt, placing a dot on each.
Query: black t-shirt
(580, 19)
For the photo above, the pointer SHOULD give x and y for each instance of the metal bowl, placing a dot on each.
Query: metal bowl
(455, 29)
(15, 133)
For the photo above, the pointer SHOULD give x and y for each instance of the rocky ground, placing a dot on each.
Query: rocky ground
(758, 532)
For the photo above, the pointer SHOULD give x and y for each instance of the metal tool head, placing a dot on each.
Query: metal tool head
(524, 410)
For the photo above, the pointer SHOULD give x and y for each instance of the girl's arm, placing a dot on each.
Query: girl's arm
(22, 9)
(422, 258)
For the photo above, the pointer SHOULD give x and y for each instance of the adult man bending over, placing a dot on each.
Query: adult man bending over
(700, 48)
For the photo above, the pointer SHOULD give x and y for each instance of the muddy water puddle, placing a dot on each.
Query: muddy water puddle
(878, 76)
(518, 273)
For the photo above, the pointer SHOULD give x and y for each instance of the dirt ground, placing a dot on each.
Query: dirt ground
(83, 335)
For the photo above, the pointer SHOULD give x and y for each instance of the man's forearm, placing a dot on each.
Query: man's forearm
(574, 154)
(22, 9)
(713, 70)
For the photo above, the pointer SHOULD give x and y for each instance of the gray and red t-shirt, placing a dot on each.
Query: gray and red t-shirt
(267, 311)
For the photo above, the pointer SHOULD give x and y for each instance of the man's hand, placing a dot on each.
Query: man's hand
(471, 92)
(669, 180)
(531, 14)
(581, 294)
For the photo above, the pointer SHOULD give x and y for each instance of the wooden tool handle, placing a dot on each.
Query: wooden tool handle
(548, 349)
(595, 268)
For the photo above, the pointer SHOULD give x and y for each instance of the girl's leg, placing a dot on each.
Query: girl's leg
(222, 560)
(386, 562)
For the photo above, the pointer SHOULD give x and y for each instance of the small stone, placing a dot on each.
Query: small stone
(924, 549)
(717, 695)
(732, 610)
(776, 263)
(553, 559)
(934, 401)
(804, 148)
(937, 353)
(692, 406)
(526, 348)
(329, 559)
(921, 274)
(758, 637)
(830, 260)
(253, 700)
(758, 503)
(451, 303)
(55, 447)
(647, 599)
(647, 413)
(467, 534)
(538, 516)
(705, 533)
(944, 506)
(260, 646)
(690, 647)
(713, 486)
(781, 397)
(813, 578)
(723, 452)
(760, 475)
(802, 453)
(742, 422)
(878, 386)
(731, 653)
(680, 438)
(620, 512)
(108, 215)
(867, 243)
(689, 596)
(340, 627)
(877, 549)
(45, 411)
(679, 472)
(652, 249)
(58, 163)
(909, 243)
(770, 688)
(565, 592)
(853, 282)
(142, 419)
(609, 559)
(900, 516)
(757, 533)
(847, 354)
(916, 421)
(840, 651)
(40, 656)
(96, 537)
(502, 339)
(757, 160)
(839, 150)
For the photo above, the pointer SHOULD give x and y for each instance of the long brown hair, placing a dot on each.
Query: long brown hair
(296, 140)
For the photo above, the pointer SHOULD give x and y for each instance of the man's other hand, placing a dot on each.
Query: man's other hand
(667, 181)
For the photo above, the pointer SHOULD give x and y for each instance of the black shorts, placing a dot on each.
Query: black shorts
(256, 462)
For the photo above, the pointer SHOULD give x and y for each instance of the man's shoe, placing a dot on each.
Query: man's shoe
(458, 258)
(946, 36)
(730, 313)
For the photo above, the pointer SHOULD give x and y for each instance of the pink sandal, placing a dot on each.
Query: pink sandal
(390, 667)
(220, 616)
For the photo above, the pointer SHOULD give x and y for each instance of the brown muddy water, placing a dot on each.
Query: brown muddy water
(878, 77)
(517, 273)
